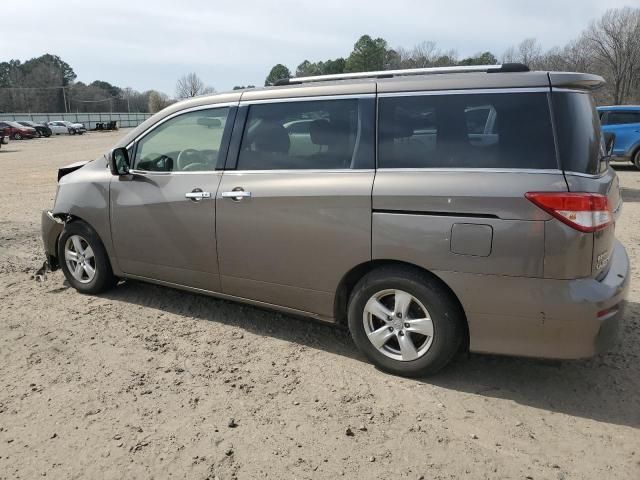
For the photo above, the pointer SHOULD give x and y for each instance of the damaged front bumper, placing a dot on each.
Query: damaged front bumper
(51, 229)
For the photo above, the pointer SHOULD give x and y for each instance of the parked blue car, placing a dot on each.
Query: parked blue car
(624, 122)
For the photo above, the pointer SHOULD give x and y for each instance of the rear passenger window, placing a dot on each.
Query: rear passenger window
(620, 118)
(496, 130)
(301, 135)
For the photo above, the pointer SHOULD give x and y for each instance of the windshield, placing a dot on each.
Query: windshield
(578, 133)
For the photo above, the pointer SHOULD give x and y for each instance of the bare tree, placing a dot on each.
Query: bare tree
(528, 52)
(190, 85)
(423, 55)
(158, 101)
(614, 42)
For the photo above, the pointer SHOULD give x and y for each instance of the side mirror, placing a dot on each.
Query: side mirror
(119, 161)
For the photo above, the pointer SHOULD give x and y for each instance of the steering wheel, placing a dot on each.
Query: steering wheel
(190, 159)
(157, 162)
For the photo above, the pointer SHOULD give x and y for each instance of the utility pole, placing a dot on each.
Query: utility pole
(64, 99)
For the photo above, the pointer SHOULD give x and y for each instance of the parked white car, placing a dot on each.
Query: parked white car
(63, 127)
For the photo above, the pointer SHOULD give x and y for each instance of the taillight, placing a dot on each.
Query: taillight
(586, 212)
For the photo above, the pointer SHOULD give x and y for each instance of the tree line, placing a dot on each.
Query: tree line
(609, 46)
(47, 84)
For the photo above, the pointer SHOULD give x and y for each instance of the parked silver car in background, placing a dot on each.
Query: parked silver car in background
(63, 127)
(429, 210)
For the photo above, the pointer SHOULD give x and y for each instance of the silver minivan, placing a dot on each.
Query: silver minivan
(430, 210)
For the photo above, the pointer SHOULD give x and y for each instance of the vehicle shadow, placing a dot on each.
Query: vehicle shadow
(624, 167)
(630, 194)
(605, 388)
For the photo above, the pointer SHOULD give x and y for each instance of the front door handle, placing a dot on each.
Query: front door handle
(197, 194)
(236, 194)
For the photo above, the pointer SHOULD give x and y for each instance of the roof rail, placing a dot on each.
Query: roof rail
(505, 67)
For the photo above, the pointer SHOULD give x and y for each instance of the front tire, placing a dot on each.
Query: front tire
(84, 260)
(17, 136)
(405, 321)
(636, 159)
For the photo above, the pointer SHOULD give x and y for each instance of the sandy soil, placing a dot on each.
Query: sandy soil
(143, 382)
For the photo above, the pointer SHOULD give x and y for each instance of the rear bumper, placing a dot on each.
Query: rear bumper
(606, 298)
(535, 317)
(51, 229)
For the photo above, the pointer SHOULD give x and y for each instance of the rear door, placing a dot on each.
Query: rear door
(625, 124)
(581, 149)
(294, 205)
(449, 194)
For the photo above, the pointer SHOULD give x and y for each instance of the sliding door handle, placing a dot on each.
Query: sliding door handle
(236, 195)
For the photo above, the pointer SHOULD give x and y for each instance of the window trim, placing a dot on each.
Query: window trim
(224, 141)
(314, 98)
(470, 91)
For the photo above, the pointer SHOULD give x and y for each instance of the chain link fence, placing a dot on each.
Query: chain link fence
(124, 120)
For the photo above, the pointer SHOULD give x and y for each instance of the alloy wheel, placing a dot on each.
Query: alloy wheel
(80, 259)
(398, 325)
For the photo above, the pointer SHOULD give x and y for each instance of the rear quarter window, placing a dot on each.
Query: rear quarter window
(578, 132)
(483, 130)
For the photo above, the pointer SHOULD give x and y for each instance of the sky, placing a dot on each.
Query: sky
(149, 45)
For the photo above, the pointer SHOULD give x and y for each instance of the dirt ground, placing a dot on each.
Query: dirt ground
(143, 382)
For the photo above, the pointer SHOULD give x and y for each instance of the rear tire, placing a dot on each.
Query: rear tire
(423, 328)
(83, 259)
(636, 159)
(17, 136)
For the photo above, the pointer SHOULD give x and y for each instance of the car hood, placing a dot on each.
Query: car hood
(71, 168)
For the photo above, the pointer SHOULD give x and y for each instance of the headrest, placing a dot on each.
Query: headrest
(272, 138)
(403, 127)
(322, 132)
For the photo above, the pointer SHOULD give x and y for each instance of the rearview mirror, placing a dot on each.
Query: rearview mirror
(119, 161)
(210, 122)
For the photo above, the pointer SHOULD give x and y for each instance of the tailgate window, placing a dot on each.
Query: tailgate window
(578, 133)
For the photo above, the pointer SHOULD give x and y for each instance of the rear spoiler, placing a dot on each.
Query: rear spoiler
(581, 81)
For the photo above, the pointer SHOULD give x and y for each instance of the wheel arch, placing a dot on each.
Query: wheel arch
(72, 217)
(353, 276)
(635, 150)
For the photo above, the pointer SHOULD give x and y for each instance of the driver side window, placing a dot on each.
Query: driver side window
(187, 143)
